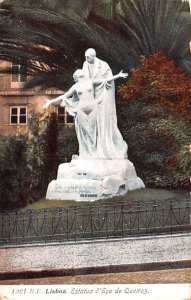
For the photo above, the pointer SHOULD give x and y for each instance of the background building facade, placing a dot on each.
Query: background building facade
(16, 104)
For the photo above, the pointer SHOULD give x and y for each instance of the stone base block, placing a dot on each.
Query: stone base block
(90, 180)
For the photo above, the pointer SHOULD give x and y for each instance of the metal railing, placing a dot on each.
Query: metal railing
(95, 221)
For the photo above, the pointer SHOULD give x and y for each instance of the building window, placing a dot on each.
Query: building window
(63, 116)
(18, 115)
(19, 72)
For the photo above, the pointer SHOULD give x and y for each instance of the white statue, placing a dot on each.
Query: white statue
(96, 127)
(102, 169)
(113, 145)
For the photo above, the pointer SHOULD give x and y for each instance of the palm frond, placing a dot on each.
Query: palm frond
(54, 42)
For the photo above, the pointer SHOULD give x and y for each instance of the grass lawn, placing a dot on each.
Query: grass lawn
(145, 195)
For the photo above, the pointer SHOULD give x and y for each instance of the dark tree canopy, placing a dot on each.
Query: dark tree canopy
(53, 35)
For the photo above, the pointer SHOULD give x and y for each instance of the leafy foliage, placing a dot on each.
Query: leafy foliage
(156, 122)
(28, 163)
(67, 143)
(12, 166)
(52, 36)
(160, 82)
(42, 144)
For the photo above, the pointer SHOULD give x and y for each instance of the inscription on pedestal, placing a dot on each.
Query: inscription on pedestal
(88, 195)
(93, 180)
(74, 189)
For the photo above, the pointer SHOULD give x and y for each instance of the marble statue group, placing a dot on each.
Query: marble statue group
(101, 170)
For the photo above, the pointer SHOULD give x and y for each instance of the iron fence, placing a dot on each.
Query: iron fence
(95, 221)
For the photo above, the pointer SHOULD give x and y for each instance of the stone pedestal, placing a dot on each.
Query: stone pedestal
(93, 179)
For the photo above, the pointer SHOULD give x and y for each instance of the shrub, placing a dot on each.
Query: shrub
(67, 143)
(13, 171)
(42, 159)
(155, 121)
(28, 163)
(159, 81)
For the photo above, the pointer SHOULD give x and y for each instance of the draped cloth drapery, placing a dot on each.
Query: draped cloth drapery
(97, 132)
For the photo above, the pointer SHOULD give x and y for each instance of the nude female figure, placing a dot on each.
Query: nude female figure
(86, 110)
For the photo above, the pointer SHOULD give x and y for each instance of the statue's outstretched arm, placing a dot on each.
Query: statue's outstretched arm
(60, 99)
(110, 78)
